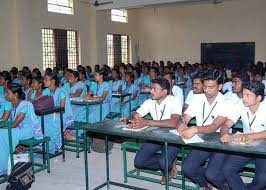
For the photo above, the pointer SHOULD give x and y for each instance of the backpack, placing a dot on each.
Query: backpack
(21, 177)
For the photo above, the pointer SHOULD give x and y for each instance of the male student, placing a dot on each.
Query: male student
(176, 90)
(165, 110)
(239, 79)
(252, 113)
(209, 110)
(197, 88)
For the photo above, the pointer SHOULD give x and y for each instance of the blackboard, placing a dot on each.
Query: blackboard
(229, 54)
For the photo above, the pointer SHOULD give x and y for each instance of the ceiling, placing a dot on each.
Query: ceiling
(130, 4)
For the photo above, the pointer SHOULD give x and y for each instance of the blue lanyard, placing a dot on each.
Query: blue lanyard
(98, 87)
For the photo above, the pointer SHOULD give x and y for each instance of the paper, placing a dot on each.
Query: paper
(194, 139)
(139, 129)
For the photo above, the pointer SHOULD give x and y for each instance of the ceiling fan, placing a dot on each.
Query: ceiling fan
(96, 3)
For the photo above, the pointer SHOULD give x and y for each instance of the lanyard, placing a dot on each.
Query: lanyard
(162, 112)
(204, 120)
(98, 87)
(128, 89)
(250, 123)
(114, 84)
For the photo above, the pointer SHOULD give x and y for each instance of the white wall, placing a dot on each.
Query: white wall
(105, 26)
(8, 34)
(175, 33)
(21, 40)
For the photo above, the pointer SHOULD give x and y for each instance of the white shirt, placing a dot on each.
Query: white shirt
(227, 87)
(169, 106)
(251, 123)
(178, 93)
(190, 97)
(204, 112)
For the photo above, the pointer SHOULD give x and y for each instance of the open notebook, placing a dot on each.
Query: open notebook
(140, 129)
(194, 139)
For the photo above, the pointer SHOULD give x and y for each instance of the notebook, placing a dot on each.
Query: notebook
(194, 139)
(139, 129)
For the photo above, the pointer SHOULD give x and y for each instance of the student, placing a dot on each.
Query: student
(176, 90)
(238, 81)
(78, 89)
(101, 92)
(5, 106)
(14, 75)
(134, 91)
(24, 121)
(36, 88)
(83, 77)
(52, 122)
(252, 113)
(116, 85)
(145, 87)
(123, 70)
(197, 88)
(25, 79)
(165, 111)
(209, 110)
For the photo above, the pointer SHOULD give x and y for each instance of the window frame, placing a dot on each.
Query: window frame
(60, 7)
(121, 18)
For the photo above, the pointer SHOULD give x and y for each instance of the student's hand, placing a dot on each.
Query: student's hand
(182, 127)
(138, 123)
(88, 97)
(226, 138)
(123, 119)
(189, 133)
(239, 138)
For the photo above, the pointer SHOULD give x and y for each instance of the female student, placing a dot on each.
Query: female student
(61, 99)
(101, 92)
(5, 106)
(133, 90)
(116, 85)
(25, 81)
(83, 77)
(36, 88)
(24, 121)
(78, 89)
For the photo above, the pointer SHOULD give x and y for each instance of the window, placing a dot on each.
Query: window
(48, 48)
(61, 6)
(118, 49)
(60, 48)
(119, 15)
(110, 52)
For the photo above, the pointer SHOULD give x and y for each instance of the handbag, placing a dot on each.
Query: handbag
(44, 102)
(21, 177)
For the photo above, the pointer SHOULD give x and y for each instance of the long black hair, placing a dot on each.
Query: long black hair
(16, 88)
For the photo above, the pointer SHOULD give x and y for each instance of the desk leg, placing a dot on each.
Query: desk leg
(166, 166)
(101, 112)
(107, 162)
(10, 146)
(43, 145)
(129, 106)
(87, 114)
(86, 159)
(183, 176)
(62, 136)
